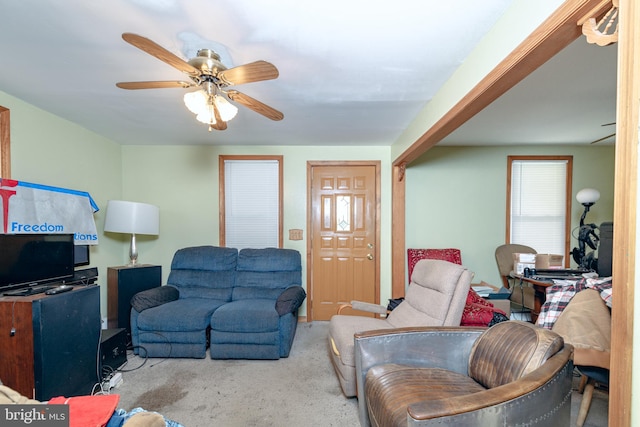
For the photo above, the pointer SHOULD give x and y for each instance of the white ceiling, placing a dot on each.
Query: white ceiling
(565, 101)
(351, 72)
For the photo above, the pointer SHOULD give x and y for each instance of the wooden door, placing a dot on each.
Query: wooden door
(344, 206)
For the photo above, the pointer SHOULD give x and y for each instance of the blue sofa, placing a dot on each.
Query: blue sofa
(245, 304)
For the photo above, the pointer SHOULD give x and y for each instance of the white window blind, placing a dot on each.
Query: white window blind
(251, 203)
(538, 204)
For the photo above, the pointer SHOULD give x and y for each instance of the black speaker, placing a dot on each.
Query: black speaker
(123, 283)
(66, 335)
(605, 250)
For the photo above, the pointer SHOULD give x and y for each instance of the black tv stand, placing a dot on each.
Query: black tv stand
(82, 277)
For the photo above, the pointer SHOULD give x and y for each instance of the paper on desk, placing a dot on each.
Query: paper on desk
(483, 291)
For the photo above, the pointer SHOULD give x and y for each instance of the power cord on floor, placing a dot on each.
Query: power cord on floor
(110, 379)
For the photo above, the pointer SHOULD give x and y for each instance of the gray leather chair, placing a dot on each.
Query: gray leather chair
(513, 373)
(435, 297)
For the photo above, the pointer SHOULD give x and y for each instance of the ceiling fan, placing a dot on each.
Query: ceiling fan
(206, 72)
(605, 137)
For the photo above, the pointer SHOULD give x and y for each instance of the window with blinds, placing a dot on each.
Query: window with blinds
(539, 206)
(251, 205)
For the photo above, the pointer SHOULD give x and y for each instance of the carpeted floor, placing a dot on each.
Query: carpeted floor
(301, 390)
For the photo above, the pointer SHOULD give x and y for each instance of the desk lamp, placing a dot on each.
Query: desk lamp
(134, 218)
(586, 235)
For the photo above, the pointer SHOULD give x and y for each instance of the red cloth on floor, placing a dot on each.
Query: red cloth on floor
(478, 311)
(89, 411)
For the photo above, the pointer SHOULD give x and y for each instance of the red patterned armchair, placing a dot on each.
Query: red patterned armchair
(477, 311)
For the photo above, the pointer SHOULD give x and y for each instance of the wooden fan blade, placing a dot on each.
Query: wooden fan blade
(248, 73)
(255, 105)
(220, 124)
(602, 139)
(154, 49)
(154, 85)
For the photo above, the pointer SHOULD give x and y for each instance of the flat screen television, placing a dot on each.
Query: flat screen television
(28, 259)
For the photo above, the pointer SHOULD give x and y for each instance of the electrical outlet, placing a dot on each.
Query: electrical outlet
(104, 323)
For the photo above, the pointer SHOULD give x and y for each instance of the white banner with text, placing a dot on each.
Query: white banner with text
(29, 208)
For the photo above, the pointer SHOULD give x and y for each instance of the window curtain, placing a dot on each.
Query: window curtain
(538, 204)
(251, 203)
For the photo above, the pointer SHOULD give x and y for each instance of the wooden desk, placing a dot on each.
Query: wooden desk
(539, 293)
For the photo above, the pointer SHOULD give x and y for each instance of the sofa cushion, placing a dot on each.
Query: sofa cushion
(391, 388)
(265, 273)
(257, 315)
(429, 296)
(182, 315)
(517, 348)
(342, 328)
(269, 260)
(204, 272)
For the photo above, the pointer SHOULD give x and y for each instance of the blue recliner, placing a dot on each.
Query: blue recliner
(172, 321)
(260, 321)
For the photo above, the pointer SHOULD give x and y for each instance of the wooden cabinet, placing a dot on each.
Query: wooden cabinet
(122, 284)
(49, 343)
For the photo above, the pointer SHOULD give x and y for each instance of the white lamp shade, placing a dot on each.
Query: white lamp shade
(132, 217)
(588, 196)
(196, 101)
(227, 110)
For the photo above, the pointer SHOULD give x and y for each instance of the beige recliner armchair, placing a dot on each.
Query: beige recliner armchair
(435, 297)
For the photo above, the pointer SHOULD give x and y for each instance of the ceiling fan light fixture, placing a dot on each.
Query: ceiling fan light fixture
(202, 104)
(206, 72)
(207, 116)
(196, 101)
(227, 110)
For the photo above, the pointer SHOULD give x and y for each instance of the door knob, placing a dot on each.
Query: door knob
(369, 256)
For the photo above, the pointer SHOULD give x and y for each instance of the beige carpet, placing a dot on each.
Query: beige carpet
(301, 390)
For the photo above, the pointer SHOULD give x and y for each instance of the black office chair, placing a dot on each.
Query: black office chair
(591, 376)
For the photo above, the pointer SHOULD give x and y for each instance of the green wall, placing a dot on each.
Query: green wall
(183, 182)
(46, 149)
(456, 197)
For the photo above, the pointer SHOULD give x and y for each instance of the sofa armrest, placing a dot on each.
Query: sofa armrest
(364, 306)
(154, 297)
(558, 365)
(446, 347)
(290, 300)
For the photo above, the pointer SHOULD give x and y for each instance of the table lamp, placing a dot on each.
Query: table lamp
(133, 218)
